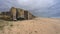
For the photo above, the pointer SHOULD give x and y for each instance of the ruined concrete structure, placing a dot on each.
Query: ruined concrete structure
(17, 13)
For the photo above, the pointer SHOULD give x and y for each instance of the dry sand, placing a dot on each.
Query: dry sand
(35, 26)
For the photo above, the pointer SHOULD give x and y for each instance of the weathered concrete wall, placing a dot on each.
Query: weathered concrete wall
(13, 13)
(30, 16)
(25, 14)
(20, 13)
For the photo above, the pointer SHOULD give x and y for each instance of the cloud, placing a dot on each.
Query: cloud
(45, 8)
(35, 4)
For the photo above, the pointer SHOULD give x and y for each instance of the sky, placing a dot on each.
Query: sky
(40, 8)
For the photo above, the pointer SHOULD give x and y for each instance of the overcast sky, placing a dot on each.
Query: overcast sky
(45, 8)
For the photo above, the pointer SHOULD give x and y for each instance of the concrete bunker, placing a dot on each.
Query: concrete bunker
(19, 14)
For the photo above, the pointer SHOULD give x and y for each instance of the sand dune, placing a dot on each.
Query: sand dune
(35, 26)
